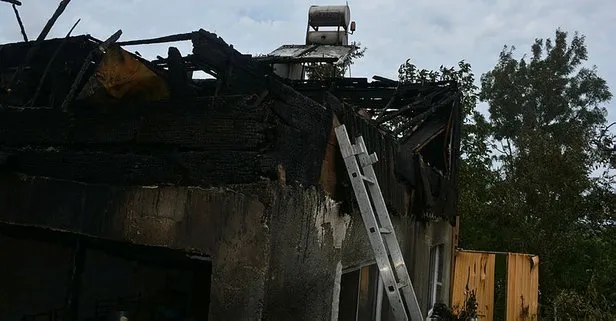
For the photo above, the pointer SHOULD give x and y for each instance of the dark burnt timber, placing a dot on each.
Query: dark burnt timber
(21, 24)
(61, 72)
(15, 80)
(15, 2)
(61, 7)
(253, 125)
(243, 169)
(89, 62)
(419, 121)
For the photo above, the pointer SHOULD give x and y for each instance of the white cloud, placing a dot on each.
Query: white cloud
(432, 32)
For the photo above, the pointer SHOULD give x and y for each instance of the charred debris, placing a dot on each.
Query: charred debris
(82, 109)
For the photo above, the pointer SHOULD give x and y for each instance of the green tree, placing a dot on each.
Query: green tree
(528, 178)
(546, 112)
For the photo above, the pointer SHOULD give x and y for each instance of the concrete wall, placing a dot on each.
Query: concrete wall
(276, 250)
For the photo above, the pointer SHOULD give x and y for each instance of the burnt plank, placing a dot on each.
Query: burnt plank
(184, 168)
(240, 73)
(211, 124)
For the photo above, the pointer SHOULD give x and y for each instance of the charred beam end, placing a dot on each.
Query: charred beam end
(61, 7)
(170, 38)
(386, 81)
(21, 24)
(51, 61)
(14, 2)
(39, 39)
(84, 68)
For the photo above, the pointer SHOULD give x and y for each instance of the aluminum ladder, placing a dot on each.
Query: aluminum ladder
(396, 280)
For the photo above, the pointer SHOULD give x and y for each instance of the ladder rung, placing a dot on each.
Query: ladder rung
(367, 179)
(399, 285)
(384, 230)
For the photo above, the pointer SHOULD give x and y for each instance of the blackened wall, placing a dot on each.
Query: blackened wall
(262, 237)
(206, 141)
(33, 277)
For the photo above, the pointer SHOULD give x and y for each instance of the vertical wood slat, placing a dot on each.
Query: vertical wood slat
(522, 287)
(477, 271)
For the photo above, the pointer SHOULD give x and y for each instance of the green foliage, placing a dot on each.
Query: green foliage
(528, 180)
(589, 306)
(326, 70)
(467, 312)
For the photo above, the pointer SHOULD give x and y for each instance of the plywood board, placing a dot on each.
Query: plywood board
(475, 271)
(522, 287)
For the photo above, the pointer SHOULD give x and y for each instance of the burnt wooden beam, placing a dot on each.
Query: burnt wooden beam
(387, 81)
(61, 7)
(14, 2)
(414, 122)
(457, 117)
(51, 61)
(16, 76)
(165, 39)
(178, 75)
(77, 83)
(21, 24)
(387, 116)
(414, 141)
(241, 73)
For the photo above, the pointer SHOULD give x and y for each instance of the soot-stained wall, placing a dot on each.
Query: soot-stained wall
(33, 277)
(276, 250)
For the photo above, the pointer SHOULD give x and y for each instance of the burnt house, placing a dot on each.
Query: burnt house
(128, 187)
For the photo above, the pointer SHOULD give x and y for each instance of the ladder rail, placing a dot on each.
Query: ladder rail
(371, 225)
(366, 161)
(396, 280)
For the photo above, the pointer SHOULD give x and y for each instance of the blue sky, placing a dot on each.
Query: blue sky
(431, 32)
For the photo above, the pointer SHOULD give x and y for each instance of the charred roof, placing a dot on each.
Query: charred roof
(88, 110)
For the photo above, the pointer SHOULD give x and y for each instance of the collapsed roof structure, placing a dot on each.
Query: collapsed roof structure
(240, 170)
